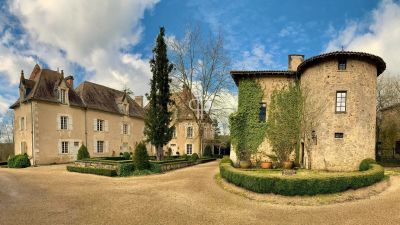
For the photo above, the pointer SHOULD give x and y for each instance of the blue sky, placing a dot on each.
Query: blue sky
(110, 42)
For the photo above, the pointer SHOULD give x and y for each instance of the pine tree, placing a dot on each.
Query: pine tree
(158, 118)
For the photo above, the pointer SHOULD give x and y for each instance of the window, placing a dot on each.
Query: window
(189, 149)
(64, 147)
(189, 132)
(397, 149)
(64, 123)
(100, 125)
(22, 123)
(341, 101)
(342, 64)
(263, 112)
(125, 128)
(173, 132)
(76, 143)
(339, 135)
(100, 146)
(62, 96)
(23, 147)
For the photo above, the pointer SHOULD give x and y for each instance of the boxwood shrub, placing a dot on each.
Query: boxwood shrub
(364, 165)
(295, 185)
(97, 171)
(125, 169)
(19, 161)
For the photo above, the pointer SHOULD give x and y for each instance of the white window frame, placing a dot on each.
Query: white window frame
(125, 128)
(174, 132)
(100, 125)
(191, 132)
(63, 94)
(100, 146)
(64, 122)
(341, 102)
(65, 147)
(187, 149)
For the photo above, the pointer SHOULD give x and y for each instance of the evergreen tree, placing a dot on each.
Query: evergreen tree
(158, 118)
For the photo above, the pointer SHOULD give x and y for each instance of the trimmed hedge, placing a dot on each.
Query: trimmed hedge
(296, 185)
(19, 161)
(169, 161)
(97, 171)
(194, 157)
(155, 167)
(226, 159)
(364, 165)
(205, 160)
(126, 169)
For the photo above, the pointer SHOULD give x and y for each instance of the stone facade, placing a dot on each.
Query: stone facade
(334, 139)
(390, 132)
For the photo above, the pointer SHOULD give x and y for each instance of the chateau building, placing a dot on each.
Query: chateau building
(53, 119)
(340, 93)
(389, 140)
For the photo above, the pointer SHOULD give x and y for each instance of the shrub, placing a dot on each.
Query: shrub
(142, 172)
(304, 185)
(125, 169)
(83, 153)
(226, 159)
(194, 157)
(207, 151)
(126, 155)
(97, 171)
(185, 157)
(19, 161)
(141, 158)
(155, 168)
(364, 165)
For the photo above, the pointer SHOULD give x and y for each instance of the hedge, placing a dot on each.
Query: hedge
(19, 161)
(126, 169)
(295, 185)
(97, 171)
(205, 160)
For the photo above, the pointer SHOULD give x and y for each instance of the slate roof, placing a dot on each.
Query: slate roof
(44, 83)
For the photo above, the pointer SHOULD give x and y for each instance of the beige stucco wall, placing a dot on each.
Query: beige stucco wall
(23, 135)
(320, 83)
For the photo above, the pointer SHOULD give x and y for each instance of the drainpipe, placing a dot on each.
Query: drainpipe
(86, 129)
(33, 136)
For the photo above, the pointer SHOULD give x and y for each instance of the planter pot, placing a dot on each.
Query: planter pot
(244, 164)
(266, 165)
(287, 165)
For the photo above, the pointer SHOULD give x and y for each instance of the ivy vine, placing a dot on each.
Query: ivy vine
(247, 132)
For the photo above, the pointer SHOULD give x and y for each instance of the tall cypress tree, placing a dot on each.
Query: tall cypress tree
(158, 118)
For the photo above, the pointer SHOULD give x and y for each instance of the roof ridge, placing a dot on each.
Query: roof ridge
(103, 86)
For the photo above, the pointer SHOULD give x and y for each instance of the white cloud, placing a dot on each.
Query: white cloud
(255, 59)
(381, 37)
(88, 33)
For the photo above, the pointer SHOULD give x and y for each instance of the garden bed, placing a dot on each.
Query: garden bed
(303, 183)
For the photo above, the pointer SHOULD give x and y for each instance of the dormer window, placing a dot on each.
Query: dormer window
(62, 96)
(342, 63)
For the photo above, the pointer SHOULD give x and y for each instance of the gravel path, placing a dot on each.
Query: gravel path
(51, 195)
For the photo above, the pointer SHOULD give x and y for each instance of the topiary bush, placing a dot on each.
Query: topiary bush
(141, 158)
(194, 157)
(364, 165)
(83, 153)
(301, 185)
(208, 151)
(19, 161)
(126, 155)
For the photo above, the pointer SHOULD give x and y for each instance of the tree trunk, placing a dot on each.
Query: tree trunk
(160, 153)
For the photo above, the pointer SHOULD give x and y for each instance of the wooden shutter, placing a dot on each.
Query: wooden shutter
(58, 118)
(70, 122)
(95, 124)
(59, 146)
(95, 146)
(106, 125)
(129, 129)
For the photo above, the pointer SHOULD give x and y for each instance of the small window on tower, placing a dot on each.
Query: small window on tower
(263, 112)
(342, 64)
(339, 135)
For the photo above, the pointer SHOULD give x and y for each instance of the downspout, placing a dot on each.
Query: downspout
(86, 128)
(33, 136)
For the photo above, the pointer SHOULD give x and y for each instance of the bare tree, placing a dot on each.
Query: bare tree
(201, 66)
(7, 127)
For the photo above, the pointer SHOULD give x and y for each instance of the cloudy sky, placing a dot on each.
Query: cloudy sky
(110, 42)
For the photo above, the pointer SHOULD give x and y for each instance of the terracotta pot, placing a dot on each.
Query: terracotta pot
(245, 164)
(266, 165)
(287, 165)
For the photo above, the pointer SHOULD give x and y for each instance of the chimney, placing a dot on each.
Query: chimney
(294, 61)
(139, 100)
(70, 81)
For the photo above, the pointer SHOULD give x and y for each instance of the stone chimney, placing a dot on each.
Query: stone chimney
(294, 61)
(70, 81)
(139, 100)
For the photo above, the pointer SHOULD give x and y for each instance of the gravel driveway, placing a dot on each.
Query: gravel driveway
(51, 195)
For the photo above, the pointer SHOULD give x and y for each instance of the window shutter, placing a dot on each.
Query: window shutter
(106, 146)
(122, 127)
(70, 123)
(95, 146)
(19, 123)
(59, 146)
(129, 129)
(24, 123)
(58, 118)
(106, 125)
(95, 124)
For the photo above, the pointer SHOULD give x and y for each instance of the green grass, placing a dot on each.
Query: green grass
(392, 171)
